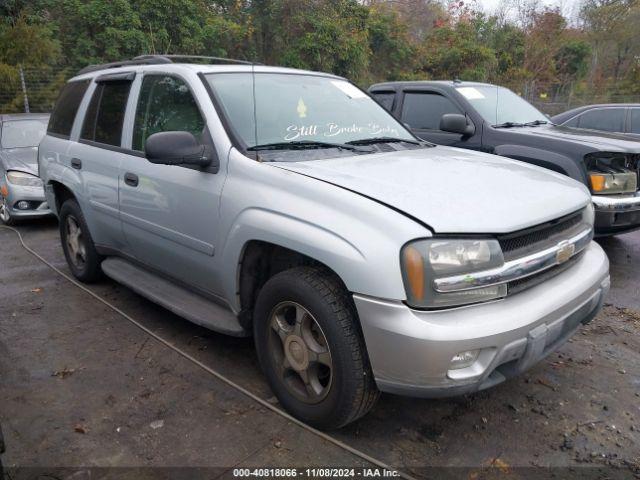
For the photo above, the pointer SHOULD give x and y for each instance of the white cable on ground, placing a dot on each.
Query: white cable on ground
(210, 370)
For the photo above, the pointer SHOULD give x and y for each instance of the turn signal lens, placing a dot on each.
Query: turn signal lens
(414, 270)
(597, 182)
(622, 182)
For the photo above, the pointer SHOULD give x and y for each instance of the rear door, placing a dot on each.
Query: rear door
(96, 157)
(170, 213)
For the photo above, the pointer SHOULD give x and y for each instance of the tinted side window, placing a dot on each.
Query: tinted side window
(385, 99)
(607, 119)
(635, 120)
(424, 110)
(572, 123)
(64, 113)
(105, 115)
(165, 104)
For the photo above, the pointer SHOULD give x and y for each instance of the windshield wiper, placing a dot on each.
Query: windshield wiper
(371, 141)
(508, 125)
(536, 122)
(306, 145)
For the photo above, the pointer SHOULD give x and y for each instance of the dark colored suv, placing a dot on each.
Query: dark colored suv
(493, 119)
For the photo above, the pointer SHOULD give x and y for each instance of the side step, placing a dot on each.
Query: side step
(179, 300)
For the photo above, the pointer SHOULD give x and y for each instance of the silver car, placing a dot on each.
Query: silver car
(21, 190)
(290, 206)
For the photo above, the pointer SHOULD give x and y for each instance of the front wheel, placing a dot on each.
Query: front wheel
(310, 346)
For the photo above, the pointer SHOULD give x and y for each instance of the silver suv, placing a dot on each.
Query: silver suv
(290, 206)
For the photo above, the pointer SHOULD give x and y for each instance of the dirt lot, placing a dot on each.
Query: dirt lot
(81, 386)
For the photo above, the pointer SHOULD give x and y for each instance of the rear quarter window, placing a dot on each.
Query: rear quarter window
(66, 108)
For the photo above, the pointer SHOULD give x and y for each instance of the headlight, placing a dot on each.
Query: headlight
(623, 182)
(425, 260)
(23, 179)
(611, 173)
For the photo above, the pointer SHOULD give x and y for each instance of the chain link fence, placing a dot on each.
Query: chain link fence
(30, 89)
(35, 89)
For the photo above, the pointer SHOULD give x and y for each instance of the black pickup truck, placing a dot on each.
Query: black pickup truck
(493, 119)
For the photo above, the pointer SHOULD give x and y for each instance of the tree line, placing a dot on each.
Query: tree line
(530, 48)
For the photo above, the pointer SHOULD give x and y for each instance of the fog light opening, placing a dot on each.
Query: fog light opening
(464, 359)
(23, 205)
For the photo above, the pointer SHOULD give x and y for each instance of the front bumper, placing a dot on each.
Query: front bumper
(411, 351)
(38, 206)
(616, 213)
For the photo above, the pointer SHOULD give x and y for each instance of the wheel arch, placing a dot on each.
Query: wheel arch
(259, 261)
(554, 161)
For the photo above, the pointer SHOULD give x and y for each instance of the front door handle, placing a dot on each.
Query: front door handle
(131, 179)
(76, 163)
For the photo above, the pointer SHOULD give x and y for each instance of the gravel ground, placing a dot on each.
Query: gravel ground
(81, 386)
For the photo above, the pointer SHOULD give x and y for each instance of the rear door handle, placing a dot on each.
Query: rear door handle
(131, 179)
(76, 163)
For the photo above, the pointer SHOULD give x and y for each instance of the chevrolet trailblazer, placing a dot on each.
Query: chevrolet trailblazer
(290, 206)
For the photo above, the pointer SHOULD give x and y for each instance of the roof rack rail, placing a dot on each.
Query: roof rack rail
(175, 58)
(162, 59)
(147, 60)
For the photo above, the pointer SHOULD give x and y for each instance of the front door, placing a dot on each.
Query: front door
(170, 213)
(422, 112)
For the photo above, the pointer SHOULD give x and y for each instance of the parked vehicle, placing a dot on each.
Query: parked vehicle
(289, 205)
(493, 119)
(21, 191)
(613, 117)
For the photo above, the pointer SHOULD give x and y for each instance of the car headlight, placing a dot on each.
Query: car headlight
(611, 173)
(23, 179)
(423, 261)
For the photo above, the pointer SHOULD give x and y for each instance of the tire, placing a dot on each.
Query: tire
(306, 305)
(5, 215)
(79, 249)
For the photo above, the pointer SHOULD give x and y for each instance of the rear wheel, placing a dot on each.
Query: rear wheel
(310, 346)
(5, 214)
(79, 250)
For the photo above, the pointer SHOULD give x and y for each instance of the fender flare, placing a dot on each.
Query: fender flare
(347, 260)
(544, 158)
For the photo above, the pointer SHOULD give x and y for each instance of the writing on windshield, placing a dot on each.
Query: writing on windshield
(331, 130)
(297, 107)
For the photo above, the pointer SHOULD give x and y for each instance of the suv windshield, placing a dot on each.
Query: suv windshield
(500, 106)
(22, 133)
(302, 111)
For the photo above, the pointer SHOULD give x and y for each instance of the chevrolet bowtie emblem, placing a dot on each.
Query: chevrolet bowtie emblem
(565, 251)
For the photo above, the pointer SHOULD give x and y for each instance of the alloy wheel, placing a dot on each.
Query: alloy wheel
(300, 352)
(75, 242)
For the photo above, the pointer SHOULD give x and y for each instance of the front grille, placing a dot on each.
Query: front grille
(534, 239)
(538, 278)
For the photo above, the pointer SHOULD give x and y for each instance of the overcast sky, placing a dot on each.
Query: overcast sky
(568, 7)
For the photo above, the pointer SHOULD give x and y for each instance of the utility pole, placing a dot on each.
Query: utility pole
(24, 90)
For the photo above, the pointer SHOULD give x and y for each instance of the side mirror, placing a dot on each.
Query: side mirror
(176, 148)
(456, 123)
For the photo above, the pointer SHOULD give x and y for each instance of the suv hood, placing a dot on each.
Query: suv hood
(23, 159)
(453, 190)
(598, 141)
